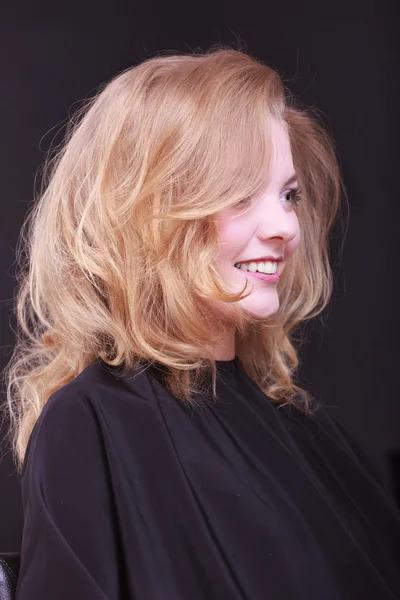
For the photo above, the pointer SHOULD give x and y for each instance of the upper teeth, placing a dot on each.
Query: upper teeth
(263, 267)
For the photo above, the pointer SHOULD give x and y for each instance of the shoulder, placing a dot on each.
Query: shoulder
(101, 389)
(98, 403)
(337, 438)
(325, 431)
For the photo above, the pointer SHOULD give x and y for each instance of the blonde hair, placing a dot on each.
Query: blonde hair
(121, 242)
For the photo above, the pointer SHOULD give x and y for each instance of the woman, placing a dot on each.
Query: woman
(166, 451)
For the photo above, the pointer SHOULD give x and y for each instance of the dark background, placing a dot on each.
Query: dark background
(339, 57)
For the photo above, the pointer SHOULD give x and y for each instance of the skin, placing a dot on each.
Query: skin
(269, 227)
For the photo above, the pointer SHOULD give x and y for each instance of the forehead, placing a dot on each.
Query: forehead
(280, 161)
(279, 142)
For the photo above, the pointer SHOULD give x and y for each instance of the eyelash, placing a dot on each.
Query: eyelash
(296, 195)
(295, 198)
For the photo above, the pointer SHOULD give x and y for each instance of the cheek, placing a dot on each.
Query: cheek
(231, 240)
(294, 243)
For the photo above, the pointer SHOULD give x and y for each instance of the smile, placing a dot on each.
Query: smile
(266, 277)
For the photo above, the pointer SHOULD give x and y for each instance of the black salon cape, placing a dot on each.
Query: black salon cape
(128, 494)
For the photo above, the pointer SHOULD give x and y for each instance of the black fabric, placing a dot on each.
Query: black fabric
(128, 493)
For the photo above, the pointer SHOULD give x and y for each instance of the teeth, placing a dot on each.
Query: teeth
(262, 267)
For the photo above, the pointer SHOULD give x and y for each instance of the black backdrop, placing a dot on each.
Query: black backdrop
(339, 57)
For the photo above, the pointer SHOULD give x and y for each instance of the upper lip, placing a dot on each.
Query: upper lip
(262, 259)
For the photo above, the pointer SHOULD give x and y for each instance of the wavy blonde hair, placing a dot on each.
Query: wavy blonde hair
(121, 241)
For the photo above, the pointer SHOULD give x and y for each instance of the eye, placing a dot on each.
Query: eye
(294, 196)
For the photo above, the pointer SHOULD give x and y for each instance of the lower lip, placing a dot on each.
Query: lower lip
(263, 276)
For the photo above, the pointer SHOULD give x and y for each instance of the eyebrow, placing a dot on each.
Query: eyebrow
(291, 180)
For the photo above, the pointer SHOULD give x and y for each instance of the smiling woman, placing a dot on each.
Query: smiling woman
(165, 448)
(268, 229)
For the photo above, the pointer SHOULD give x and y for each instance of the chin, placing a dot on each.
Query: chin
(262, 316)
(262, 313)
(263, 308)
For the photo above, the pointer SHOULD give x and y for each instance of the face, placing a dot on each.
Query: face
(270, 227)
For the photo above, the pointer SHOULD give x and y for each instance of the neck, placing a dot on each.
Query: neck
(225, 349)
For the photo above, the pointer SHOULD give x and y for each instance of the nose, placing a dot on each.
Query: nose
(277, 222)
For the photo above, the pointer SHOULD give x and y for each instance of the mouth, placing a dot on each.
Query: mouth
(265, 277)
(268, 267)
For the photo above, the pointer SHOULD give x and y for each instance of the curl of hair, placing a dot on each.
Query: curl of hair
(121, 241)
